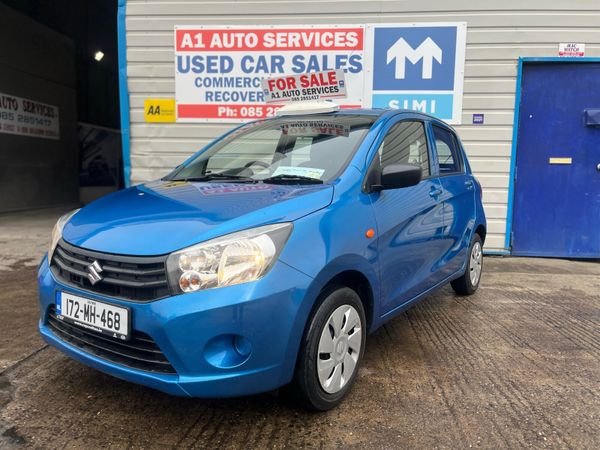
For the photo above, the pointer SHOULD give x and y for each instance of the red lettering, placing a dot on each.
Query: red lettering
(321, 79)
(332, 79)
(304, 81)
(282, 83)
(291, 83)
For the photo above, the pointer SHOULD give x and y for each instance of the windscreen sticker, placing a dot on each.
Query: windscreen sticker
(315, 128)
(230, 188)
(311, 172)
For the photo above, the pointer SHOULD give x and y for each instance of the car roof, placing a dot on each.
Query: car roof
(391, 112)
(384, 111)
(375, 112)
(378, 113)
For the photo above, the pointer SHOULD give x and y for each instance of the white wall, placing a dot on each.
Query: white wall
(498, 33)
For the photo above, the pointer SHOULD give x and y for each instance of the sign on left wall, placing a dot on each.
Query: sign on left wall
(27, 117)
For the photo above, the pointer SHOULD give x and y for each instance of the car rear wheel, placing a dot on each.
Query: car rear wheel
(469, 282)
(332, 350)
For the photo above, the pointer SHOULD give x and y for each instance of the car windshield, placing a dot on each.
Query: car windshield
(299, 150)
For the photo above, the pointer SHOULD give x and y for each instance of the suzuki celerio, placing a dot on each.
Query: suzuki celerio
(266, 258)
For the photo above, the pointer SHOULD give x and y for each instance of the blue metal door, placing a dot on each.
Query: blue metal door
(557, 176)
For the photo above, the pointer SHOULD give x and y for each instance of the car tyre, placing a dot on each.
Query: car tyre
(331, 350)
(468, 283)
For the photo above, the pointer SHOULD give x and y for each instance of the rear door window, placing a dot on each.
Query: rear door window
(448, 155)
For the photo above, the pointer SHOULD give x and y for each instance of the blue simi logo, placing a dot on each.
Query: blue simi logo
(439, 105)
(414, 58)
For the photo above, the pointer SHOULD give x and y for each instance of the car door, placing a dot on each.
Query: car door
(458, 199)
(409, 220)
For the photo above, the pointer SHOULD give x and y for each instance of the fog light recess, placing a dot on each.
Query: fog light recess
(227, 351)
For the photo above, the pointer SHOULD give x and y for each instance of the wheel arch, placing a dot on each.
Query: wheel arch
(359, 283)
(355, 272)
(481, 231)
(351, 271)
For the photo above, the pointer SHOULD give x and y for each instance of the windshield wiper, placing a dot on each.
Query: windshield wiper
(291, 179)
(219, 177)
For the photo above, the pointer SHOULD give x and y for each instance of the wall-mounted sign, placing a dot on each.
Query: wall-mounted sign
(219, 69)
(159, 110)
(478, 119)
(26, 117)
(571, 49)
(417, 66)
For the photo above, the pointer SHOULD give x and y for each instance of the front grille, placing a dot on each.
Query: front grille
(140, 352)
(138, 278)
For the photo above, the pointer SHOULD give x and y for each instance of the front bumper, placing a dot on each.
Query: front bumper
(193, 330)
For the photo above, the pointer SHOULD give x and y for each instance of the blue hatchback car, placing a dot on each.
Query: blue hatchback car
(267, 257)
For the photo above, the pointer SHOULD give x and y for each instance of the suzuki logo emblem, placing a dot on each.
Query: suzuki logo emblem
(94, 271)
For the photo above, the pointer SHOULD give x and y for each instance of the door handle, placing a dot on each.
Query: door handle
(435, 192)
(469, 184)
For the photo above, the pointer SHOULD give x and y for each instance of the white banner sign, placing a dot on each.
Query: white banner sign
(306, 87)
(28, 117)
(219, 69)
(571, 49)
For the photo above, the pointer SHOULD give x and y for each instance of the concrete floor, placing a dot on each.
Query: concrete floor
(516, 365)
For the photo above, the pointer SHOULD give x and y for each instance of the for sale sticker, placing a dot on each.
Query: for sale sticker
(305, 87)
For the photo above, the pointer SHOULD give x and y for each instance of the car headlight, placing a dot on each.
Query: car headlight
(232, 259)
(57, 231)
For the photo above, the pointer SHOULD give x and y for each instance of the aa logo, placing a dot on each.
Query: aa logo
(153, 110)
(159, 110)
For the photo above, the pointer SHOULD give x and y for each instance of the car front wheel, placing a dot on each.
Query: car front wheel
(332, 350)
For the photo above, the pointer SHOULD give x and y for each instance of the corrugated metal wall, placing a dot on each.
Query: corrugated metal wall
(498, 33)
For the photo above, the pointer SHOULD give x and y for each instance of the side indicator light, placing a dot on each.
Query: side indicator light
(370, 233)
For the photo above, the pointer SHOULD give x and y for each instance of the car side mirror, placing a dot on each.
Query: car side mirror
(397, 176)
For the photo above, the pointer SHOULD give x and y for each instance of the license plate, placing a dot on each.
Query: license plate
(100, 317)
